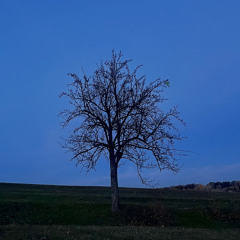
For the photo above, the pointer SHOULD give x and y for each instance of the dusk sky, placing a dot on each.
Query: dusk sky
(194, 44)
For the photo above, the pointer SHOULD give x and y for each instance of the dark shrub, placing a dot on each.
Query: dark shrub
(155, 215)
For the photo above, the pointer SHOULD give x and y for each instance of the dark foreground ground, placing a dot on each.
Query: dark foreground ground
(39, 212)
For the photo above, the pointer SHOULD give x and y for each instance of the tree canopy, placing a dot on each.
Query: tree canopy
(119, 116)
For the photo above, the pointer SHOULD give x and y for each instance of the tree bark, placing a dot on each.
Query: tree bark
(114, 186)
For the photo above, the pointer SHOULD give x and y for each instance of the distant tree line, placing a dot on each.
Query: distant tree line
(228, 186)
(233, 186)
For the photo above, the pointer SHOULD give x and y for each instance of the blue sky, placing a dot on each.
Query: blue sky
(195, 44)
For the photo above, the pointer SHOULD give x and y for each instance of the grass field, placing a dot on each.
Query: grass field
(61, 212)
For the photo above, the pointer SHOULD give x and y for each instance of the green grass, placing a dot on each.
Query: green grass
(36, 232)
(30, 211)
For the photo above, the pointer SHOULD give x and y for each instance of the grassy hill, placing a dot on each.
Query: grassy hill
(86, 210)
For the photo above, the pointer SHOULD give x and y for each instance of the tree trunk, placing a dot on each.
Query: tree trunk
(114, 186)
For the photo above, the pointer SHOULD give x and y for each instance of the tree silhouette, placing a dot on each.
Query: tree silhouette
(119, 117)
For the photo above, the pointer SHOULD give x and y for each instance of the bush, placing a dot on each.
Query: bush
(141, 215)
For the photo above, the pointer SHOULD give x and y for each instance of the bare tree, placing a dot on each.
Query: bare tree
(119, 117)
